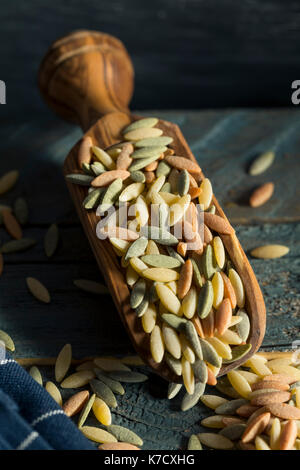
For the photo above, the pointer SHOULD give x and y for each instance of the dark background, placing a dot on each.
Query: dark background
(186, 53)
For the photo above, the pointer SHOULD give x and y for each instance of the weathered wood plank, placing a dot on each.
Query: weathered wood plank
(73, 246)
(90, 323)
(84, 320)
(224, 142)
(145, 410)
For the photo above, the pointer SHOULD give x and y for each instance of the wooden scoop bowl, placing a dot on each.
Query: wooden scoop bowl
(87, 77)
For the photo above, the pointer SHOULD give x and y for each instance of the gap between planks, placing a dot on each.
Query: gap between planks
(50, 361)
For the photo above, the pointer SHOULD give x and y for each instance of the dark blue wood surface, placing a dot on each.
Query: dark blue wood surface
(225, 142)
(186, 53)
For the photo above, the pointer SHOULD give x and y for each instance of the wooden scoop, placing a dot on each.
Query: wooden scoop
(87, 77)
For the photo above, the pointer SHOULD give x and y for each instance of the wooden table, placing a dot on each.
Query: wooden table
(224, 142)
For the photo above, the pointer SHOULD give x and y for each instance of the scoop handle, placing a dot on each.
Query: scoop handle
(86, 75)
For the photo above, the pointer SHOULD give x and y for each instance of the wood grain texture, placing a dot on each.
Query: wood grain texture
(91, 323)
(223, 142)
(86, 74)
(145, 410)
(187, 53)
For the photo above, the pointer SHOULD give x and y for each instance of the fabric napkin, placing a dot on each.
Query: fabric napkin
(29, 417)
